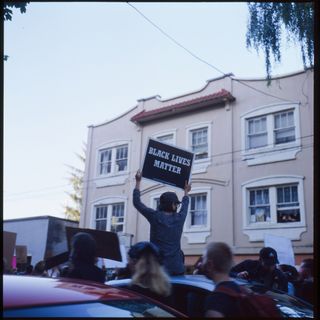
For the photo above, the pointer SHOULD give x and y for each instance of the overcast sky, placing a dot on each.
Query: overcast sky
(75, 64)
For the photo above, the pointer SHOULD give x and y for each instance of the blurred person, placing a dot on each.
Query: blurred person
(121, 273)
(216, 264)
(29, 269)
(228, 299)
(40, 269)
(166, 225)
(291, 274)
(198, 267)
(264, 270)
(148, 275)
(304, 287)
(83, 258)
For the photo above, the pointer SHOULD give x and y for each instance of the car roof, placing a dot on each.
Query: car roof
(26, 291)
(199, 281)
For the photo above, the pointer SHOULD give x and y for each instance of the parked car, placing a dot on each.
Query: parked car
(29, 296)
(194, 289)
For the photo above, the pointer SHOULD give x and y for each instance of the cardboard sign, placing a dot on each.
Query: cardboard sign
(8, 245)
(21, 254)
(283, 246)
(108, 245)
(167, 164)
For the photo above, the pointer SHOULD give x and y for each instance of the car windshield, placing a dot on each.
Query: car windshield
(114, 309)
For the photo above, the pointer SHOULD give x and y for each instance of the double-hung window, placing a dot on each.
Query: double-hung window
(121, 158)
(284, 128)
(273, 203)
(167, 138)
(259, 205)
(105, 161)
(199, 143)
(113, 160)
(197, 227)
(288, 209)
(198, 210)
(282, 125)
(285, 207)
(110, 217)
(271, 133)
(257, 132)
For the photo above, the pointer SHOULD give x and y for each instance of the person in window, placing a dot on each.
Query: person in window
(263, 270)
(166, 225)
(148, 274)
(83, 259)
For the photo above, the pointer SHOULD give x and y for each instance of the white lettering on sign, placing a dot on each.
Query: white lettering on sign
(159, 153)
(181, 160)
(167, 166)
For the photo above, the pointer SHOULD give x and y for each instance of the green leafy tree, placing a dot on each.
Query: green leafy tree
(267, 20)
(7, 5)
(76, 181)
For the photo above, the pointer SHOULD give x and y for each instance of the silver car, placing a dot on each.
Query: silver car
(194, 288)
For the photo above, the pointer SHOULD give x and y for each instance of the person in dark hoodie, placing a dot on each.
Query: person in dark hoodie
(166, 225)
(264, 270)
(83, 257)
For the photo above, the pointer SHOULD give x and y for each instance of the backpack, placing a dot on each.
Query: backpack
(252, 304)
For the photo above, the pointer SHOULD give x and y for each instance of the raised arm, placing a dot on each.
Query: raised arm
(138, 179)
(187, 188)
(148, 213)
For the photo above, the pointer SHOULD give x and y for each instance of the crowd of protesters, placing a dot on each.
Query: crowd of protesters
(151, 263)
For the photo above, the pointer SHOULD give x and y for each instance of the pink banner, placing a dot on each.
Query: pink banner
(14, 262)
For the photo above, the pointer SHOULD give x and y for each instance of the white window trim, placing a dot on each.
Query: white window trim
(112, 178)
(200, 165)
(271, 152)
(198, 234)
(158, 134)
(107, 201)
(257, 230)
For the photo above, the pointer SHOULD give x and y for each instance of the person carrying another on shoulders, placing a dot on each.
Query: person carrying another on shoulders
(166, 225)
(264, 270)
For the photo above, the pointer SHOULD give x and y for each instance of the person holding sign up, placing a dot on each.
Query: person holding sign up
(166, 225)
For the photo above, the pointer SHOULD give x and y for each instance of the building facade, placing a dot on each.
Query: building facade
(253, 168)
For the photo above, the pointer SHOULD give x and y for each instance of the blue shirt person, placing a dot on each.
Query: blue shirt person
(166, 225)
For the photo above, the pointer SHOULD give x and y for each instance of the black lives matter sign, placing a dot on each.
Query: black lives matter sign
(167, 164)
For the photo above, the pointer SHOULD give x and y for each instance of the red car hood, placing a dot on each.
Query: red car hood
(25, 291)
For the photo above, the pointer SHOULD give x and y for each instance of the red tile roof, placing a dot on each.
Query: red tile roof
(184, 106)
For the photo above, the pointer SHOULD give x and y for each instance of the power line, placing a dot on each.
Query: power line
(202, 60)
(283, 149)
(214, 164)
(37, 190)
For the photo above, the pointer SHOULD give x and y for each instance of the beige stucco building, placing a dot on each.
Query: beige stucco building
(253, 168)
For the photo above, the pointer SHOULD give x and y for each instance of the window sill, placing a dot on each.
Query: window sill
(274, 154)
(111, 180)
(197, 236)
(200, 166)
(292, 231)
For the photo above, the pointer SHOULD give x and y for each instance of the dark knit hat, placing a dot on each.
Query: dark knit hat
(142, 248)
